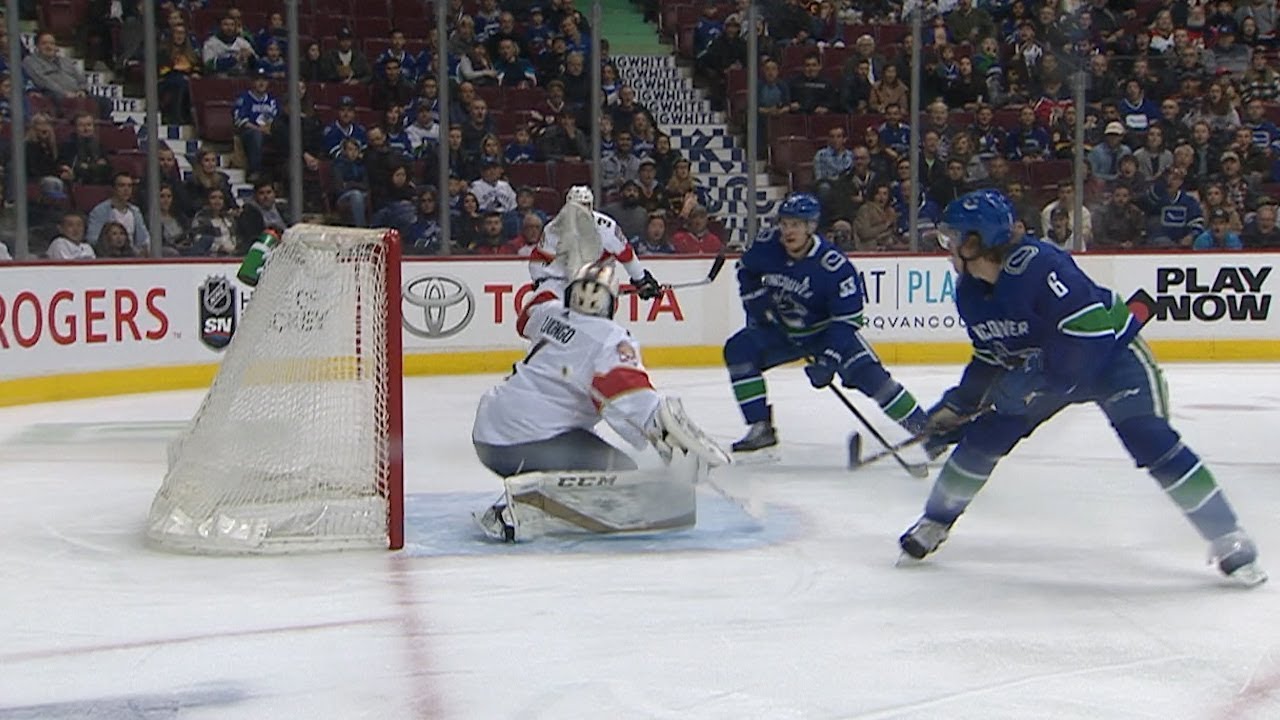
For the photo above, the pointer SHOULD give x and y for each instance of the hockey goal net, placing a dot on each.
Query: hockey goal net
(297, 445)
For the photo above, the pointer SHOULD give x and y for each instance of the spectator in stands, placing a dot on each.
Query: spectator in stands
(1219, 236)
(393, 204)
(491, 191)
(311, 64)
(1120, 223)
(1262, 233)
(465, 223)
(726, 51)
(380, 160)
(512, 219)
(1060, 230)
(564, 142)
(391, 87)
(968, 24)
(175, 226)
(423, 235)
(59, 77)
(932, 167)
(952, 185)
(70, 244)
(344, 63)
(530, 235)
(811, 92)
(655, 240)
(424, 133)
(1170, 123)
(1216, 110)
(507, 30)
(214, 227)
(393, 124)
(627, 210)
(226, 52)
(621, 165)
(1227, 54)
(513, 70)
(550, 62)
(260, 212)
(1153, 157)
(6, 85)
(653, 197)
(120, 209)
(1130, 178)
(1030, 141)
(1214, 199)
(576, 39)
(874, 226)
(1206, 152)
(84, 153)
(477, 125)
(1263, 13)
(545, 115)
(1065, 200)
(696, 238)
(351, 181)
(1261, 82)
(888, 92)
(831, 161)
(206, 176)
(477, 68)
(272, 63)
(178, 63)
(344, 128)
(895, 135)
(1238, 188)
(577, 82)
(1178, 215)
(1105, 157)
(490, 241)
(522, 148)
(274, 32)
(254, 114)
(113, 242)
(681, 185)
(409, 69)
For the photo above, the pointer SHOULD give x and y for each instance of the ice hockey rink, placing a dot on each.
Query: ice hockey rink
(1072, 589)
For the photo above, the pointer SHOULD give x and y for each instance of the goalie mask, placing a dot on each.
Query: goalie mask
(581, 195)
(593, 290)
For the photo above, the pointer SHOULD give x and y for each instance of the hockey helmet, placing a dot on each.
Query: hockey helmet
(803, 206)
(988, 213)
(593, 290)
(581, 195)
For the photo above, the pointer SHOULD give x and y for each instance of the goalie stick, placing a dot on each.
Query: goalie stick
(716, 266)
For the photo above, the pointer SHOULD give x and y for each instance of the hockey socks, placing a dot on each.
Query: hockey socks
(901, 406)
(961, 477)
(749, 390)
(1191, 485)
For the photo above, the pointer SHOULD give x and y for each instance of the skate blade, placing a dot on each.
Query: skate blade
(1248, 576)
(763, 456)
(905, 560)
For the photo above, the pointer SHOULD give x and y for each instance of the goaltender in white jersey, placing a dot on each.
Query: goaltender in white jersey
(535, 429)
(548, 265)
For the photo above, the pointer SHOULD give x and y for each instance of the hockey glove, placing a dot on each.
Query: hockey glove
(1013, 393)
(823, 368)
(647, 287)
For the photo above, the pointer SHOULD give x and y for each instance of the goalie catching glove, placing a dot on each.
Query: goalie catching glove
(670, 430)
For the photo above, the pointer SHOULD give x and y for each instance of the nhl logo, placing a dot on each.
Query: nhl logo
(217, 311)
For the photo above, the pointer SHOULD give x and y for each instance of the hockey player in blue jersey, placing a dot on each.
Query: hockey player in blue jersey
(803, 300)
(1045, 337)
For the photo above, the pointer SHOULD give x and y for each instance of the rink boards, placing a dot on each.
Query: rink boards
(71, 331)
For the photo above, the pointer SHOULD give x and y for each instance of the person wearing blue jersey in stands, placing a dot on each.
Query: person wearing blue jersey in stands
(1045, 336)
(803, 300)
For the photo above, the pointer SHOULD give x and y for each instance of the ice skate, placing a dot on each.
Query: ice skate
(1237, 557)
(922, 538)
(497, 522)
(761, 439)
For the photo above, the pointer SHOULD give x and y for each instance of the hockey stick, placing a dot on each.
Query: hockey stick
(917, 439)
(716, 266)
(915, 470)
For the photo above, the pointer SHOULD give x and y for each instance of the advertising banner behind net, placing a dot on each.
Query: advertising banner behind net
(78, 318)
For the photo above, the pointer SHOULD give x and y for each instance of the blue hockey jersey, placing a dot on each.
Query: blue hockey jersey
(251, 109)
(814, 298)
(1042, 306)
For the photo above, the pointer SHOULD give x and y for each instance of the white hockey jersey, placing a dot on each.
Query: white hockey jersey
(543, 266)
(580, 369)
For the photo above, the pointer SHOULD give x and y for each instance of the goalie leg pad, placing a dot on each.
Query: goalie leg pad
(596, 502)
(675, 431)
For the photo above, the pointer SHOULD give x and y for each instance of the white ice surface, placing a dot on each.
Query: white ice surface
(1072, 589)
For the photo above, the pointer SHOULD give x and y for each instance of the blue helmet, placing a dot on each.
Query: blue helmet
(801, 205)
(985, 212)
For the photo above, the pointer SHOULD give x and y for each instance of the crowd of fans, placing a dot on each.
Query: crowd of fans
(1181, 147)
(1180, 96)
(520, 134)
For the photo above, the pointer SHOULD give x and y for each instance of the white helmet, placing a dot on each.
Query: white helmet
(593, 290)
(581, 195)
